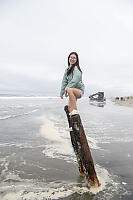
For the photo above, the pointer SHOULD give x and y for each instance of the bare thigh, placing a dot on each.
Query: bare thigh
(77, 93)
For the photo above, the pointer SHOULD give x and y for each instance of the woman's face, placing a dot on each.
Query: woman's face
(72, 59)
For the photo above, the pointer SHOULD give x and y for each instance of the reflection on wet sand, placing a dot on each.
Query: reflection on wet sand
(98, 104)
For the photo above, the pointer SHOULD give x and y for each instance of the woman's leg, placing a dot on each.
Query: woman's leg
(69, 105)
(73, 94)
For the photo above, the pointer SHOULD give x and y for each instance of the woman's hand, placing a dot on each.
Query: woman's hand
(61, 96)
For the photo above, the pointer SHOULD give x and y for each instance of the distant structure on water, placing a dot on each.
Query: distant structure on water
(97, 99)
(99, 96)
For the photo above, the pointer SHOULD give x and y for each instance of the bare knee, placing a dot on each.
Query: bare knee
(69, 91)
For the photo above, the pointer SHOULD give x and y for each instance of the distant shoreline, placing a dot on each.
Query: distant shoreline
(28, 97)
(125, 101)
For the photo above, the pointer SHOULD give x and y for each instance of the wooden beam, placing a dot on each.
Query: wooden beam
(81, 148)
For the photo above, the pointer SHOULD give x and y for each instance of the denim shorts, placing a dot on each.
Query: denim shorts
(80, 93)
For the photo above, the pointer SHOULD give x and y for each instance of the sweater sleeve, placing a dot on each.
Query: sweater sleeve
(76, 78)
(64, 83)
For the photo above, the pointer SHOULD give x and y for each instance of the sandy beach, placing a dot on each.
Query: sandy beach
(36, 155)
(125, 102)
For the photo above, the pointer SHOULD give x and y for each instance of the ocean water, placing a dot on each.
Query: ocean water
(37, 161)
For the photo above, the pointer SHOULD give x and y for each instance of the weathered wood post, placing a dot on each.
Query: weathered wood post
(81, 148)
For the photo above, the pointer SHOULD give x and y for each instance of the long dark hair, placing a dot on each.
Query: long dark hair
(75, 64)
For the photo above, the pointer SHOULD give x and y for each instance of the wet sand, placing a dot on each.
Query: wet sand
(126, 102)
(37, 159)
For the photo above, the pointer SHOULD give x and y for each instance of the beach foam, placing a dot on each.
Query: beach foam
(58, 140)
(30, 189)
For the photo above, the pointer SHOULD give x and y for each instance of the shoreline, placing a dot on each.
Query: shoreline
(125, 102)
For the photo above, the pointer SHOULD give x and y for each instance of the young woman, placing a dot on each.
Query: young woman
(72, 84)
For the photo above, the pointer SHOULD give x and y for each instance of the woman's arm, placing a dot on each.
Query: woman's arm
(64, 83)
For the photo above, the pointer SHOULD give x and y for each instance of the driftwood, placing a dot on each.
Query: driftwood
(81, 148)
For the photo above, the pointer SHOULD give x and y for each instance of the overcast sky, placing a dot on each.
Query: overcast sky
(36, 38)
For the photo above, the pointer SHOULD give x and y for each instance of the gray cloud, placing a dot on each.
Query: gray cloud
(37, 36)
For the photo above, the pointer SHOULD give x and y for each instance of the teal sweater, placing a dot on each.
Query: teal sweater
(73, 80)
